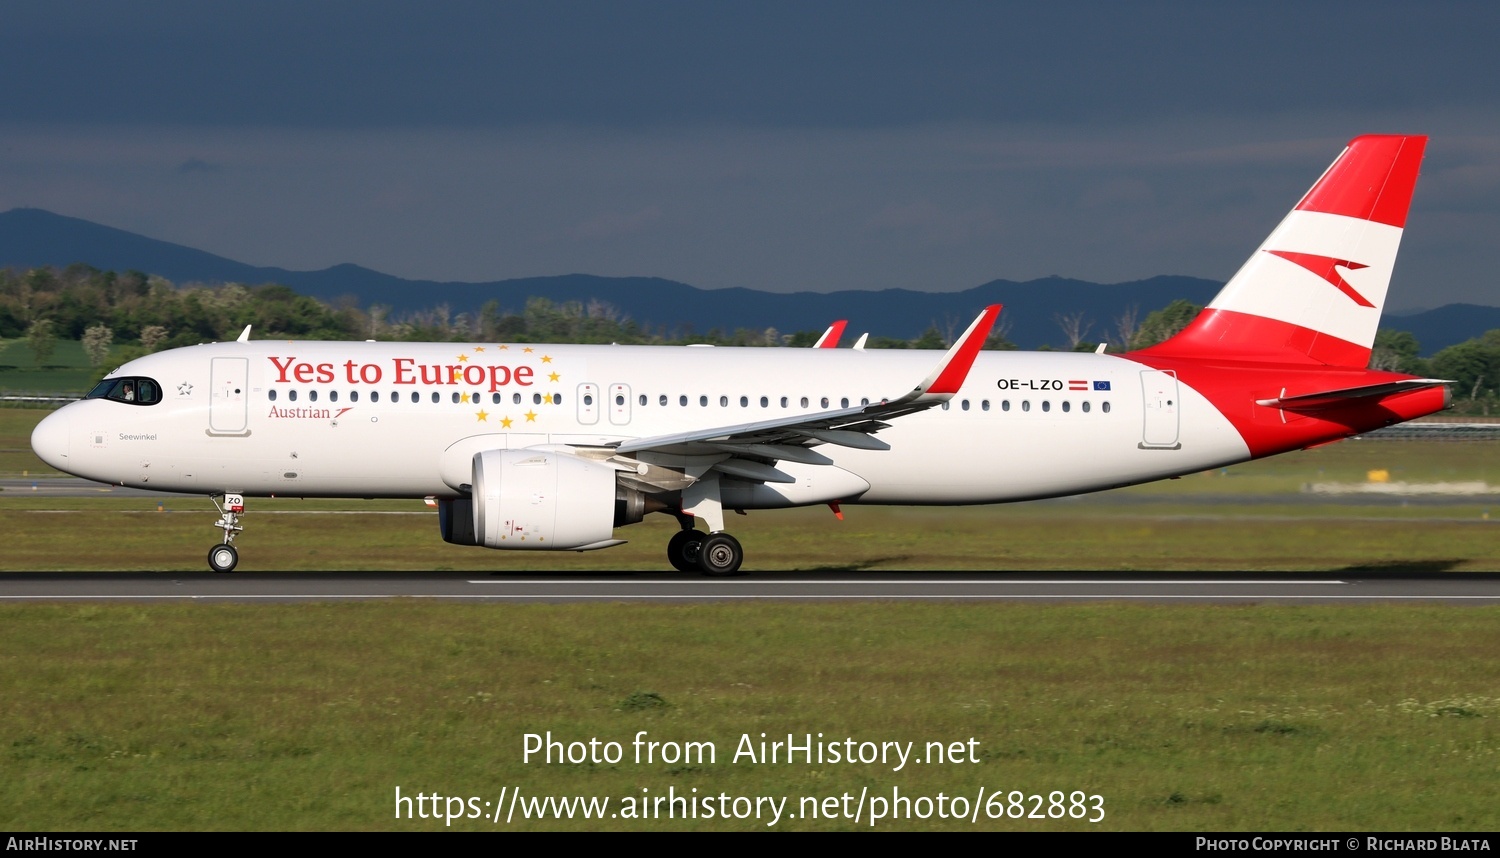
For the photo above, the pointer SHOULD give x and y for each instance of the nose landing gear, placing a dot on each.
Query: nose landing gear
(223, 557)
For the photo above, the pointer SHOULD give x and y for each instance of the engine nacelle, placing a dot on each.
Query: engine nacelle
(541, 500)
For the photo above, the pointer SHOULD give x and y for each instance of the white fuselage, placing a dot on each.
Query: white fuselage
(404, 420)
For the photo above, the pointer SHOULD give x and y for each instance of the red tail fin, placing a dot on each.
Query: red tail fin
(1313, 292)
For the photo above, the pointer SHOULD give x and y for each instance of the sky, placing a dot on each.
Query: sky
(783, 146)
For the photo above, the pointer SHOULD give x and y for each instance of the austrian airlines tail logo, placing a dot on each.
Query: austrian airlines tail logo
(1327, 267)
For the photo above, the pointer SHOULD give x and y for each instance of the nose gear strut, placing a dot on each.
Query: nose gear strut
(223, 557)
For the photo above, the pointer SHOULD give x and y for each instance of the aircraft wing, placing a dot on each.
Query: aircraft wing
(790, 437)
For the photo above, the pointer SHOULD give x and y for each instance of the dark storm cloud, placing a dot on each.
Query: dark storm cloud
(775, 145)
(352, 64)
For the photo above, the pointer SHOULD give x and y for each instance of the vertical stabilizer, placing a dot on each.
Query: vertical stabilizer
(1313, 292)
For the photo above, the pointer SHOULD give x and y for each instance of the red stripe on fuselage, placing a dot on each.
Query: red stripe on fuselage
(1372, 180)
(1233, 387)
(1233, 336)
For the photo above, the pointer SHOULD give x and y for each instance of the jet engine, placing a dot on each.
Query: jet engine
(540, 500)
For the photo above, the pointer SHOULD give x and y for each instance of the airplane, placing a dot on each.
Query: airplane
(552, 447)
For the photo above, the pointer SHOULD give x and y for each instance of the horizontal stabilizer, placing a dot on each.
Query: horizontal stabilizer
(1344, 396)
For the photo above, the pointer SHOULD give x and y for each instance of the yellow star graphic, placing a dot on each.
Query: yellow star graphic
(531, 417)
(505, 348)
(527, 349)
(484, 416)
(479, 348)
(505, 422)
(463, 358)
(546, 359)
(552, 376)
(456, 375)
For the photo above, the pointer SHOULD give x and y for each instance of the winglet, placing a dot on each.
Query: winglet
(950, 374)
(830, 338)
(244, 336)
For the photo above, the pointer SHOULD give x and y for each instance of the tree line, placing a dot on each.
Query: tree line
(145, 313)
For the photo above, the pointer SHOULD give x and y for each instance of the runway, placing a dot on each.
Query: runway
(1363, 587)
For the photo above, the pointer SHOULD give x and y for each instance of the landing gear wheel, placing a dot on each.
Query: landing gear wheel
(720, 555)
(684, 549)
(223, 558)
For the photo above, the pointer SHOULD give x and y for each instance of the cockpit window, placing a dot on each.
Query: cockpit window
(134, 390)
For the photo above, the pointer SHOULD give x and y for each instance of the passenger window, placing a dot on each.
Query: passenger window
(1066, 406)
(353, 396)
(703, 402)
(435, 397)
(723, 402)
(494, 399)
(1085, 406)
(764, 402)
(804, 402)
(414, 398)
(744, 402)
(783, 402)
(824, 400)
(375, 396)
(984, 405)
(1046, 405)
(455, 397)
(642, 399)
(588, 399)
(515, 398)
(1025, 405)
(1005, 405)
(333, 396)
(964, 405)
(312, 396)
(291, 395)
(1104, 407)
(682, 401)
(271, 394)
(844, 403)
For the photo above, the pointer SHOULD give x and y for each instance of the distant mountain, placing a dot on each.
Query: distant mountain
(31, 238)
(1437, 329)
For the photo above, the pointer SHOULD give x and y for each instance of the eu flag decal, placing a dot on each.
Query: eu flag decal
(1101, 385)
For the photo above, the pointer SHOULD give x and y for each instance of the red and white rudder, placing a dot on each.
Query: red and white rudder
(1313, 292)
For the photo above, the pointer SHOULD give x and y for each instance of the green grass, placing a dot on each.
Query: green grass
(250, 717)
(142, 717)
(279, 537)
(67, 370)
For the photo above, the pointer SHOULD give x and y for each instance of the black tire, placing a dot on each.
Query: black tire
(223, 558)
(720, 555)
(683, 550)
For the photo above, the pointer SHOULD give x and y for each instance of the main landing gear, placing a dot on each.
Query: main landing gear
(715, 554)
(223, 557)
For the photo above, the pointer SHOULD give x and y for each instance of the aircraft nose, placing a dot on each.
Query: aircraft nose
(49, 440)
